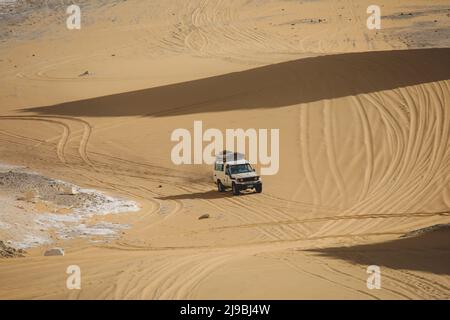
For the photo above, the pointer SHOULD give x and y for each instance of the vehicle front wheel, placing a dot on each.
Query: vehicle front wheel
(236, 190)
(220, 186)
(258, 188)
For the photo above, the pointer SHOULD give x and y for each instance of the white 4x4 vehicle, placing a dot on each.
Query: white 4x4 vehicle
(231, 170)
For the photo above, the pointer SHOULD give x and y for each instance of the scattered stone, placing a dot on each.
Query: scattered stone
(29, 196)
(67, 190)
(86, 73)
(421, 231)
(205, 216)
(54, 252)
(10, 252)
(160, 186)
(52, 209)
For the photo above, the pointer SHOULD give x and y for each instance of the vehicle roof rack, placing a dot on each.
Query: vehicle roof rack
(227, 156)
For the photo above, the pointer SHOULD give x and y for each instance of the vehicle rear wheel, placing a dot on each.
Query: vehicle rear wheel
(236, 190)
(258, 188)
(220, 186)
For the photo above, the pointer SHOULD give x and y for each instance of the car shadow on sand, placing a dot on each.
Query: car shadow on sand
(209, 195)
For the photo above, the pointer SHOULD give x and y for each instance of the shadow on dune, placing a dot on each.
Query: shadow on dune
(212, 194)
(277, 85)
(196, 195)
(428, 252)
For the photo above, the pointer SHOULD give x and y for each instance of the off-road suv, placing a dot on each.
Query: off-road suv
(231, 170)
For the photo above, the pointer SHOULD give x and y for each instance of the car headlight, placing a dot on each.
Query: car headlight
(240, 180)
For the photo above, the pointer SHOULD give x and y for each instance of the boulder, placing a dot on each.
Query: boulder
(29, 196)
(67, 190)
(54, 252)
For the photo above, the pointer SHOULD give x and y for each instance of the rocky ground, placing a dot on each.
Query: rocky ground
(39, 211)
(10, 252)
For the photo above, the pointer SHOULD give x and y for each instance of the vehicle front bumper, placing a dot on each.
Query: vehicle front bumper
(247, 184)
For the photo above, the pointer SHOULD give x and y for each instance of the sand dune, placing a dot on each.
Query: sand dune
(364, 125)
(278, 85)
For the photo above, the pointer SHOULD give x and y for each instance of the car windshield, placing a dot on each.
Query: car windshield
(240, 168)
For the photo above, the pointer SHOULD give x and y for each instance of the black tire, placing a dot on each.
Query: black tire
(220, 186)
(258, 188)
(236, 190)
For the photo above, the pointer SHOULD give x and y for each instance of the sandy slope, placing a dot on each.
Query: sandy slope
(365, 148)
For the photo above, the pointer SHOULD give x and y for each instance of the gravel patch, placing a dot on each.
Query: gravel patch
(37, 210)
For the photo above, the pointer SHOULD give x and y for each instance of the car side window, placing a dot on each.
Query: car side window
(219, 167)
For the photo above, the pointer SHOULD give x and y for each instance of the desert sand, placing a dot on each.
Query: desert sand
(364, 119)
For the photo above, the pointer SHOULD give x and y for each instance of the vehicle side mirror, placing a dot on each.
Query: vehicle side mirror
(254, 170)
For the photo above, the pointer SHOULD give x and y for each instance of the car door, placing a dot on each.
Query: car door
(219, 173)
(215, 172)
(227, 177)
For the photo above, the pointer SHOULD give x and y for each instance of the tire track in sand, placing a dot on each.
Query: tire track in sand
(331, 152)
(62, 140)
